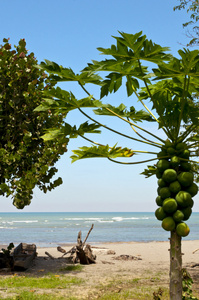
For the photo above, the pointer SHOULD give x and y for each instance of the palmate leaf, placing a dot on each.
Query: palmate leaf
(167, 96)
(61, 74)
(136, 116)
(136, 46)
(113, 81)
(127, 54)
(121, 66)
(85, 128)
(187, 65)
(101, 151)
(111, 84)
(71, 132)
(194, 138)
(150, 171)
(121, 50)
(190, 60)
(191, 112)
(62, 101)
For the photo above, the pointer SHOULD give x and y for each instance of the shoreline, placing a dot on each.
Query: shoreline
(106, 243)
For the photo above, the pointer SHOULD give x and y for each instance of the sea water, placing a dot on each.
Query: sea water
(53, 229)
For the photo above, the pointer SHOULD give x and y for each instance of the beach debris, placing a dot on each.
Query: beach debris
(82, 252)
(49, 255)
(60, 249)
(107, 262)
(102, 250)
(23, 256)
(127, 257)
(20, 258)
(195, 250)
(194, 265)
(111, 252)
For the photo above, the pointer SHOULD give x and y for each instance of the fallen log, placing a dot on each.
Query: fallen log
(49, 255)
(23, 256)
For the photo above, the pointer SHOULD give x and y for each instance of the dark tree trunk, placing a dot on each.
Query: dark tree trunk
(175, 267)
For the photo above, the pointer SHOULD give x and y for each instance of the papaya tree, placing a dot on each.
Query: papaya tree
(25, 160)
(165, 86)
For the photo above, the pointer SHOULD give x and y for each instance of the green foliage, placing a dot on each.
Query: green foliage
(47, 282)
(171, 86)
(187, 286)
(192, 7)
(158, 295)
(170, 83)
(132, 114)
(7, 251)
(26, 161)
(72, 268)
(150, 171)
(101, 151)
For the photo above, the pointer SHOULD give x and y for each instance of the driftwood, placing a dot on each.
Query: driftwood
(60, 249)
(23, 256)
(20, 258)
(195, 250)
(49, 255)
(195, 265)
(82, 252)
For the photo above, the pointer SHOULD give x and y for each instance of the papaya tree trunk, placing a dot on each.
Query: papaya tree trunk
(175, 267)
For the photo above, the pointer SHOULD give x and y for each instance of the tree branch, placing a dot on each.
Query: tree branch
(167, 132)
(108, 109)
(115, 131)
(131, 163)
(136, 151)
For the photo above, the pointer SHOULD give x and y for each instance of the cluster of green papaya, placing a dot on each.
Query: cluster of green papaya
(176, 187)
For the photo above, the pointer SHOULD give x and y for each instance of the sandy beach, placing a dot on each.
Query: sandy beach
(147, 256)
(148, 261)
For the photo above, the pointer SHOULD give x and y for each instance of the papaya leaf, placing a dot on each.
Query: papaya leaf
(101, 151)
(136, 46)
(167, 96)
(62, 101)
(61, 74)
(132, 85)
(136, 116)
(194, 138)
(85, 128)
(112, 83)
(187, 65)
(150, 171)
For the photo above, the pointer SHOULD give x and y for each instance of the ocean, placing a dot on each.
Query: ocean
(53, 229)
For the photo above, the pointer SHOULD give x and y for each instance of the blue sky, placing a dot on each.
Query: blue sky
(69, 32)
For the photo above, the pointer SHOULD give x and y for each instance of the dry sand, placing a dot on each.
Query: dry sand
(151, 258)
(151, 261)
